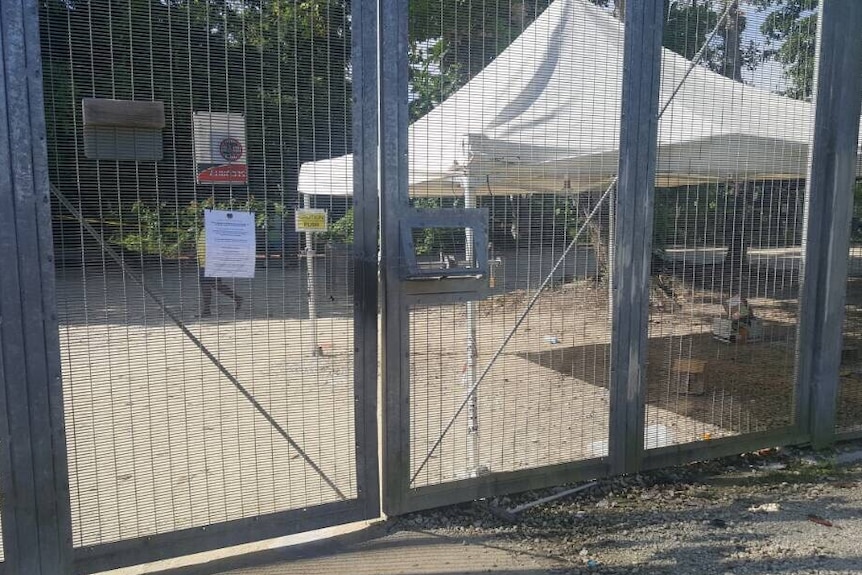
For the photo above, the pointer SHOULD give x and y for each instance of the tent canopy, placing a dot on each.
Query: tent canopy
(544, 117)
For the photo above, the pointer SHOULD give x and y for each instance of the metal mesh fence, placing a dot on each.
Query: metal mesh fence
(192, 400)
(849, 415)
(535, 351)
(206, 306)
(727, 229)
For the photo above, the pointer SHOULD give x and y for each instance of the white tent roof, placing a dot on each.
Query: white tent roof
(544, 117)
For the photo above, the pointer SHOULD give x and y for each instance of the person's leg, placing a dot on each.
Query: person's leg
(225, 289)
(206, 285)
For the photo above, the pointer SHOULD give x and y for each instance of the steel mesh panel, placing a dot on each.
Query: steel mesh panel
(849, 406)
(176, 420)
(544, 401)
(540, 363)
(727, 246)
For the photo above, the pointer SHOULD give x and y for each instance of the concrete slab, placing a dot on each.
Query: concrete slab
(410, 553)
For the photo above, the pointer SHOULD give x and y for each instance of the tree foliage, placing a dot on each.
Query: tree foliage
(453, 40)
(688, 25)
(790, 28)
(285, 65)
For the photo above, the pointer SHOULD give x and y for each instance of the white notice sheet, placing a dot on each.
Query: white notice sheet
(230, 244)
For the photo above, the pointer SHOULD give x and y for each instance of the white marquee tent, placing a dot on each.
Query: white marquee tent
(544, 117)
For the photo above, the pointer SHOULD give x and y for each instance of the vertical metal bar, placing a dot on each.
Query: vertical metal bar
(472, 352)
(394, 119)
(829, 205)
(365, 239)
(310, 283)
(634, 217)
(34, 476)
(612, 233)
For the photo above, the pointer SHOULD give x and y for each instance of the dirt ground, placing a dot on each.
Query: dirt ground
(160, 440)
(789, 511)
(782, 511)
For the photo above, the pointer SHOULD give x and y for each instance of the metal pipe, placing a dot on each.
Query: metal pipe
(472, 352)
(310, 255)
(549, 498)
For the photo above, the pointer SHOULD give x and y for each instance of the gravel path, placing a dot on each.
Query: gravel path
(785, 511)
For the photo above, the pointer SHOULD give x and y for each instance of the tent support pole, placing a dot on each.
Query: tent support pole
(311, 286)
(472, 353)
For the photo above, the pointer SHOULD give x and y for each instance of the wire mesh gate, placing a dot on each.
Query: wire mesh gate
(199, 407)
(205, 411)
(513, 383)
(516, 377)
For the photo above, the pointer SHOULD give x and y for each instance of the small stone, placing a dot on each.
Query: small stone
(765, 508)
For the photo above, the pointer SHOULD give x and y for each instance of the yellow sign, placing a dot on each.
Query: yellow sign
(311, 220)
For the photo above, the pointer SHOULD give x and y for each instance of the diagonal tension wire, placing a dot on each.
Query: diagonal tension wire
(194, 339)
(535, 298)
(514, 328)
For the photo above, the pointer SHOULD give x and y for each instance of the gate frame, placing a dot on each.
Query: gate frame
(825, 244)
(828, 210)
(34, 477)
(634, 200)
(366, 506)
(640, 104)
(36, 512)
(816, 385)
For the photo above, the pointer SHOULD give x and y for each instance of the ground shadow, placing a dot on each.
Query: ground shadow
(746, 387)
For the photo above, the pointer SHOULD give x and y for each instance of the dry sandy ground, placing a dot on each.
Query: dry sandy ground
(160, 440)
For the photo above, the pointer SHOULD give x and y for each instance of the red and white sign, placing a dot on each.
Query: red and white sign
(223, 174)
(220, 156)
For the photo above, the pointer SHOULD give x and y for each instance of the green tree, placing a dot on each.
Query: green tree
(790, 28)
(688, 23)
